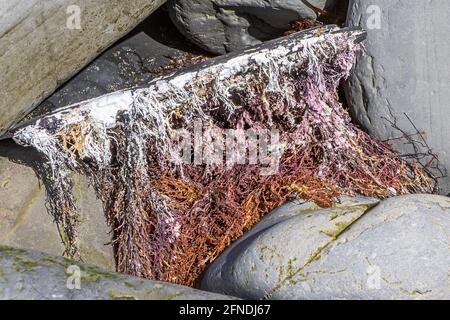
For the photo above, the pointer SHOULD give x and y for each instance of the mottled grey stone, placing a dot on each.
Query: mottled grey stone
(133, 62)
(405, 70)
(128, 64)
(24, 218)
(32, 275)
(397, 249)
(25, 221)
(41, 47)
(223, 26)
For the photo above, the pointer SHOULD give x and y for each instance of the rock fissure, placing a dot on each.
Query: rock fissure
(316, 255)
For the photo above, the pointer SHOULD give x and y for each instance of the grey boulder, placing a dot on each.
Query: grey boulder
(44, 43)
(133, 62)
(397, 249)
(221, 26)
(24, 219)
(404, 74)
(32, 275)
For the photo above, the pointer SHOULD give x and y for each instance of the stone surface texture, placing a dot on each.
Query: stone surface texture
(25, 221)
(32, 275)
(404, 73)
(223, 26)
(41, 45)
(396, 249)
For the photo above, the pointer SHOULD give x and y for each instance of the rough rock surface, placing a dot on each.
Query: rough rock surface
(397, 249)
(33, 275)
(24, 220)
(405, 70)
(126, 65)
(132, 62)
(38, 50)
(223, 26)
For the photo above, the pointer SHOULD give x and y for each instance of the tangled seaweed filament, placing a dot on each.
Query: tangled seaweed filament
(170, 219)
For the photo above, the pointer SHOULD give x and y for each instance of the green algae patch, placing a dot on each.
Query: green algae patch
(171, 296)
(10, 250)
(144, 294)
(2, 273)
(340, 228)
(23, 265)
(89, 277)
(54, 262)
(343, 211)
(129, 285)
(95, 274)
(121, 296)
(287, 272)
(29, 264)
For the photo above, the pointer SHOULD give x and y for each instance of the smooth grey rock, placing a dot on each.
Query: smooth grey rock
(130, 63)
(221, 26)
(405, 70)
(32, 275)
(25, 221)
(42, 45)
(397, 249)
(126, 65)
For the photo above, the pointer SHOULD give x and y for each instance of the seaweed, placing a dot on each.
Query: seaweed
(171, 218)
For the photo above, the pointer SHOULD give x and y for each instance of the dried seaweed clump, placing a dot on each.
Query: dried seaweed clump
(170, 218)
